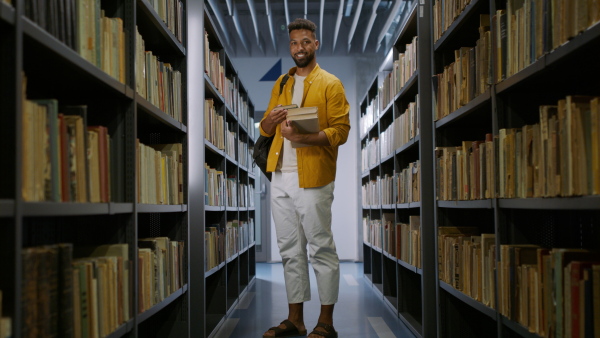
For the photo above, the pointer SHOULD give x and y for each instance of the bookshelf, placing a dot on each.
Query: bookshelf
(494, 79)
(147, 185)
(229, 211)
(52, 68)
(396, 144)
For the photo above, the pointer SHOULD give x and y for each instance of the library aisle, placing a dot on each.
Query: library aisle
(360, 311)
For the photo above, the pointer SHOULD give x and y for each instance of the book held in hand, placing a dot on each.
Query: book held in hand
(306, 119)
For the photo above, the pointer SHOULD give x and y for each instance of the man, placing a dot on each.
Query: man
(303, 181)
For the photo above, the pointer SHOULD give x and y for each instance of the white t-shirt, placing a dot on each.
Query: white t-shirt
(289, 161)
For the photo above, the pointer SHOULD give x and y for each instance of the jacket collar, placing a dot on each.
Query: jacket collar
(311, 76)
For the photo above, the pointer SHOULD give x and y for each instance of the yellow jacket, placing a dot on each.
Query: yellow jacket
(316, 164)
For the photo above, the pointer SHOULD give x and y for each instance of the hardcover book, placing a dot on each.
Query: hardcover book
(306, 119)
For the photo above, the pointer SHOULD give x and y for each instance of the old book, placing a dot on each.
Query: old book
(31, 261)
(595, 143)
(415, 229)
(596, 296)
(576, 108)
(560, 259)
(103, 153)
(53, 185)
(94, 185)
(63, 139)
(84, 306)
(174, 150)
(572, 297)
(75, 117)
(157, 268)
(65, 325)
(306, 119)
(442, 233)
(487, 274)
(120, 250)
(586, 304)
(6, 330)
(543, 274)
(564, 147)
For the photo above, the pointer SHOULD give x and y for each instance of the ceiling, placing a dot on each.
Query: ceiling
(254, 28)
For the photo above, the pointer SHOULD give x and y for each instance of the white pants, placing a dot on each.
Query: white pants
(304, 216)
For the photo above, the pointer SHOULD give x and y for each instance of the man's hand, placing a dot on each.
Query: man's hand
(275, 117)
(289, 131)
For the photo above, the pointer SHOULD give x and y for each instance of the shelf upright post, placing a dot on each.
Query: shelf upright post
(195, 197)
(426, 155)
(13, 108)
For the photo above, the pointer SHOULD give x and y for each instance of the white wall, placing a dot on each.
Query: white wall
(345, 204)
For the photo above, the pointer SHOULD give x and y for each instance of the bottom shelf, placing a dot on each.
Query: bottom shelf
(413, 324)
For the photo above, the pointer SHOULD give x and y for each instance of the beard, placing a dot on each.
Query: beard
(304, 62)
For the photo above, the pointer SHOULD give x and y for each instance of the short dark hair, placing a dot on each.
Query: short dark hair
(301, 23)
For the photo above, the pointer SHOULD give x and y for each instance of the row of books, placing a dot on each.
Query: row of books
(231, 191)
(213, 66)
(407, 184)
(527, 29)
(403, 240)
(91, 295)
(243, 153)
(157, 81)
(230, 136)
(466, 172)
(467, 261)
(227, 86)
(400, 187)
(444, 13)
(214, 125)
(236, 101)
(402, 69)
(246, 197)
(222, 242)
(214, 247)
(559, 156)
(85, 296)
(368, 119)
(404, 128)
(372, 232)
(400, 240)
(553, 292)
(98, 39)
(222, 191)
(468, 76)
(214, 186)
(161, 271)
(5, 323)
(371, 192)
(63, 159)
(370, 153)
(160, 173)
(171, 12)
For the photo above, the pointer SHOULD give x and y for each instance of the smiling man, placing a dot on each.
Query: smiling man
(303, 181)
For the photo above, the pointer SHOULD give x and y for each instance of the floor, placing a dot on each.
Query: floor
(360, 311)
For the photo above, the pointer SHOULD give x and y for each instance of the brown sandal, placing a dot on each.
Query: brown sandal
(290, 330)
(330, 331)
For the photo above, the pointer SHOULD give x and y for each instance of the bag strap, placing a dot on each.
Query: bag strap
(282, 83)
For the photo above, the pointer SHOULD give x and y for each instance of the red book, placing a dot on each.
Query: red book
(577, 268)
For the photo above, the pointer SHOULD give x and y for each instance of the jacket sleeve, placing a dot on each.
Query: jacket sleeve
(272, 103)
(338, 114)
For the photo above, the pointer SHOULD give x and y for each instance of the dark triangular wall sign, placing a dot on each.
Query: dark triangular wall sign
(273, 73)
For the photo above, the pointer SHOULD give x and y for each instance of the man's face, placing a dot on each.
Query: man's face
(302, 47)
